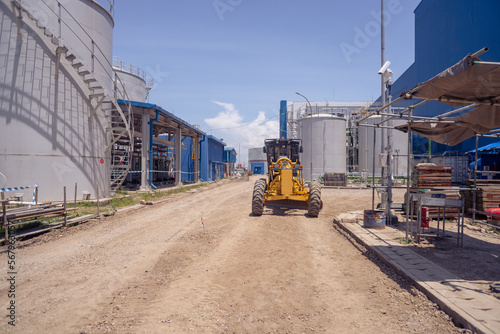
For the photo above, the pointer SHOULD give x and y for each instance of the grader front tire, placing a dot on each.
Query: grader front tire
(258, 197)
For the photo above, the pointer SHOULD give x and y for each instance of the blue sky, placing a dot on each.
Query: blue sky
(224, 64)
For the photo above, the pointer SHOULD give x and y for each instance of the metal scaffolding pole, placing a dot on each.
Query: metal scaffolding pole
(474, 195)
(408, 174)
(377, 111)
(373, 169)
(388, 214)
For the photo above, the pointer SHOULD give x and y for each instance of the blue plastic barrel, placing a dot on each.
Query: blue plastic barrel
(374, 219)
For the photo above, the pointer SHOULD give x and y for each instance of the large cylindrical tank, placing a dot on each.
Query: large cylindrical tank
(85, 28)
(49, 133)
(324, 144)
(365, 151)
(135, 85)
(133, 78)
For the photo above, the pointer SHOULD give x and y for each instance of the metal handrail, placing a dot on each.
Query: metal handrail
(111, 3)
(124, 94)
(133, 69)
(118, 85)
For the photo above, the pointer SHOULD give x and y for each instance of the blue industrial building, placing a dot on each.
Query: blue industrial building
(229, 160)
(258, 168)
(211, 158)
(187, 159)
(257, 160)
(488, 159)
(229, 154)
(445, 32)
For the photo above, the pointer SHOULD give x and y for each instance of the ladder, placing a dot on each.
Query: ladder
(116, 119)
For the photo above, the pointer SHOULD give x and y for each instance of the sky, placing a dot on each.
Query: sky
(227, 64)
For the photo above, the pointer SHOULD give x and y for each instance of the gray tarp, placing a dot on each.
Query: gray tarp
(469, 81)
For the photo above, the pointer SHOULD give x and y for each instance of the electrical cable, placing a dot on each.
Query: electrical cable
(242, 125)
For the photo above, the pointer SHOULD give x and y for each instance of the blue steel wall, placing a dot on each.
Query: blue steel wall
(212, 159)
(204, 170)
(258, 168)
(187, 162)
(445, 32)
(229, 155)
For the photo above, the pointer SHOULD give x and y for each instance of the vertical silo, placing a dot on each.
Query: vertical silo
(365, 150)
(133, 78)
(324, 144)
(53, 130)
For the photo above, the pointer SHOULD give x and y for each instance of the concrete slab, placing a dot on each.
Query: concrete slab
(467, 305)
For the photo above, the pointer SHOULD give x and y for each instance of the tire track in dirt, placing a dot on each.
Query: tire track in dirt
(247, 282)
(137, 299)
(154, 270)
(90, 264)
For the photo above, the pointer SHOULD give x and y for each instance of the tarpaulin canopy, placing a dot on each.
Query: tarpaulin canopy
(489, 147)
(470, 81)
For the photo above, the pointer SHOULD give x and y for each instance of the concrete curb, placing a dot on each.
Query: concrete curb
(443, 298)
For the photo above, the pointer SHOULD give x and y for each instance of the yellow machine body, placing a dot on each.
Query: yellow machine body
(285, 182)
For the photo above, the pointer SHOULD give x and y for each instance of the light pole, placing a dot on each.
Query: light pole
(382, 86)
(386, 74)
(311, 152)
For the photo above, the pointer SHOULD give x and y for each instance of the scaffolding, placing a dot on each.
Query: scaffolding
(460, 86)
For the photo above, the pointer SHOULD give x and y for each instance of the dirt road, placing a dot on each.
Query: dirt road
(154, 270)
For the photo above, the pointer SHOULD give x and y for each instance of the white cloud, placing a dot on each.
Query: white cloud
(229, 125)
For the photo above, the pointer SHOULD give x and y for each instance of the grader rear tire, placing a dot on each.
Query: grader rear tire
(258, 197)
(315, 203)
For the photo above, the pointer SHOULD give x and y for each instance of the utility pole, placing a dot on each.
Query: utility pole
(382, 84)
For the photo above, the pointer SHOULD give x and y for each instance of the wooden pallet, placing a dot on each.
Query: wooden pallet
(487, 196)
(432, 176)
(335, 180)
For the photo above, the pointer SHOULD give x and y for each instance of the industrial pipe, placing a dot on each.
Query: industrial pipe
(480, 52)
(400, 114)
(203, 138)
(376, 126)
(151, 121)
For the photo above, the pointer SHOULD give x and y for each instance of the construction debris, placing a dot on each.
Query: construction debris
(335, 179)
(430, 175)
(487, 196)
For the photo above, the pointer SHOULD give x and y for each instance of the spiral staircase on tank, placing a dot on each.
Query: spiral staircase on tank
(117, 122)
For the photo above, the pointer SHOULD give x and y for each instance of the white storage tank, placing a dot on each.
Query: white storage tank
(324, 143)
(86, 29)
(50, 135)
(365, 150)
(133, 78)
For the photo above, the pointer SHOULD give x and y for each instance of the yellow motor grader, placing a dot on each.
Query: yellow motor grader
(284, 186)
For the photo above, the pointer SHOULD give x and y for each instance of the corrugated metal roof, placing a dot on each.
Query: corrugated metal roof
(492, 146)
(164, 113)
(216, 139)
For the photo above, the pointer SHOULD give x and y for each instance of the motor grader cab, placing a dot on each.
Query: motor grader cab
(284, 186)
